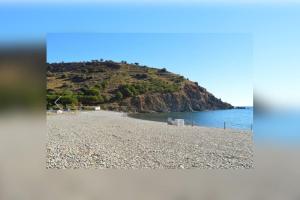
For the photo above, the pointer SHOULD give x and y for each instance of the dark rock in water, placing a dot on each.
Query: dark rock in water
(240, 107)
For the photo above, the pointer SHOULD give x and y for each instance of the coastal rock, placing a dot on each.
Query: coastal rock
(190, 98)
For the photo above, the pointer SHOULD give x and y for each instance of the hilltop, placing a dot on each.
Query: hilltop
(125, 87)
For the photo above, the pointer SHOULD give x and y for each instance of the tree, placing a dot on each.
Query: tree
(100, 99)
(163, 70)
(127, 92)
(50, 100)
(67, 93)
(88, 100)
(119, 95)
(68, 100)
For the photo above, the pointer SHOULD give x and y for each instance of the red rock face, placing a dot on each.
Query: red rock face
(190, 98)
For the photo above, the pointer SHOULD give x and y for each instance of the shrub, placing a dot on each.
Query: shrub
(101, 70)
(98, 86)
(78, 78)
(67, 93)
(126, 91)
(90, 100)
(104, 84)
(163, 70)
(141, 76)
(134, 89)
(141, 88)
(119, 95)
(112, 64)
(106, 98)
(100, 99)
(50, 91)
(68, 100)
(91, 92)
(50, 100)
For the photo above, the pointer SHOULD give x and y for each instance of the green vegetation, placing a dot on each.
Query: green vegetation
(90, 100)
(155, 86)
(106, 98)
(119, 95)
(91, 92)
(50, 98)
(127, 90)
(105, 82)
(68, 100)
(163, 70)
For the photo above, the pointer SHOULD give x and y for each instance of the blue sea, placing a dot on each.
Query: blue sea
(280, 127)
(234, 118)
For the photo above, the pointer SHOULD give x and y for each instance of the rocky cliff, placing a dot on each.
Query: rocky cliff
(190, 98)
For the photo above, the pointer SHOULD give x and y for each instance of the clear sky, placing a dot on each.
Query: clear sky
(273, 26)
(220, 62)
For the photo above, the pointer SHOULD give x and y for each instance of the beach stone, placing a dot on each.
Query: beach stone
(105, 139)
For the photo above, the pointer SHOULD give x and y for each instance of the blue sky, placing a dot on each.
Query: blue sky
(274, 28)
(220, 62)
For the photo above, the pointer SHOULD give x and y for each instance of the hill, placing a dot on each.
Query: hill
(125, 87)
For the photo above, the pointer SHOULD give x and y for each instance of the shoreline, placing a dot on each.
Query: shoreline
(128, 114)
(196, 125)
(189, 122)
(108, 139)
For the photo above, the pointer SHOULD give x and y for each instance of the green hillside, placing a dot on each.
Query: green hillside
(120, 86)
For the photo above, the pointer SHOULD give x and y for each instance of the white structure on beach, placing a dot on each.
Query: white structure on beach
(59, 112)
(97, 108)
(177, 122)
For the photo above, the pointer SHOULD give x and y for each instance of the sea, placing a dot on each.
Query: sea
(241, 119)
(271, 126)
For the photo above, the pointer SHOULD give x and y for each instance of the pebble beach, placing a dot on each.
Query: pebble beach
(108, 140)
